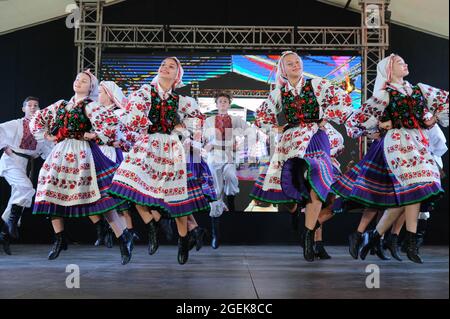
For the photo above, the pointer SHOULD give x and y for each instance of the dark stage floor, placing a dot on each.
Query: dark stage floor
(235, 272)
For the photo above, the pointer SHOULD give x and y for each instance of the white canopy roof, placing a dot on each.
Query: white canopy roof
(431, 16)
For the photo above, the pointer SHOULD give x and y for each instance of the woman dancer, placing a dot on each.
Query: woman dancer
(154, 174)
(301, 171)
(73, 180)
(399, 171)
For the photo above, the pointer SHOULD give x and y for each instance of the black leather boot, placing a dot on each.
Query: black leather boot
(390, 243)
(198, 234)
(191, 243)
(100, 228)
(215, 232)
(379, 251)
(153, 242)
(126, 246)
(230, 203)
(308, 244)
(403, 246)
(420, 235)
(302, 235)
(412, 250)
(109, 236)
(374, 240)
(183, 249)
(13, 220)
(59, 244)
(6, 242)
(320, 251)
(355, 240)
(421, 231)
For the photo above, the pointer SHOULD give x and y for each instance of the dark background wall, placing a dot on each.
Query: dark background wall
(41, 61)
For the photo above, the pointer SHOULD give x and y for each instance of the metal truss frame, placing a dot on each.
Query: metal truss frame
(371, 39)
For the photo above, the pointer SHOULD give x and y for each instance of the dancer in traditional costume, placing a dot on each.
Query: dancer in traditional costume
(399, 171)
(438, 147)
(20, 148)
(113, 140)
(74, 178)
(154, 173)
(219, 134)
(301, 170)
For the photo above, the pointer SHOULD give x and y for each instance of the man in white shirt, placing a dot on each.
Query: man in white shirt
(19, 148)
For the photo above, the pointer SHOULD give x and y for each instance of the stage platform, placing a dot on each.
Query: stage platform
(230, 272)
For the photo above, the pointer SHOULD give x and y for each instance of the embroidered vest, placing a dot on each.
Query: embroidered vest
(72, 123)
(163, 113)
(302, 108)
(405, 110)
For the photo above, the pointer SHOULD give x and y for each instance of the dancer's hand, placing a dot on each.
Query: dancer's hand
(89, 136)
(385, 125)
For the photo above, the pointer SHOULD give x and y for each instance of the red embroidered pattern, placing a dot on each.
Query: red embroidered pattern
(222, 122)
(64, 197)
(156, 190)
(28, 141)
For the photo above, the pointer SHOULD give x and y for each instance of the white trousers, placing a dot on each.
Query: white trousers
(22, 190)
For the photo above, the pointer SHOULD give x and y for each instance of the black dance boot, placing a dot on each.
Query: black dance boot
(374, 240)
(230, 203)
(403, 246)
(191, 243)
(308, 244)
(153, 242)
(199, 234)
(302, 235)
(390, 243)
(5, 241)
(215, 232)
(13, 220)
(421, 231)
(126, 246)
(100, 228)
(355, 240)
(379, 251)
(59, 244)
(183, 249)
(109, 236)
(320, 251)
(412, 250)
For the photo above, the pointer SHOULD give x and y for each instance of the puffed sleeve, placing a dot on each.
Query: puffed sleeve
(104, 122)
(135, 117)
(437, 102)
(364, 121)
(44, 120)
(335, 103)
(266, 113)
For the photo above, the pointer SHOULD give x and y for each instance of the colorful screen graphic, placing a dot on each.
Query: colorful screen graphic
(248, 77)
(132, 71)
